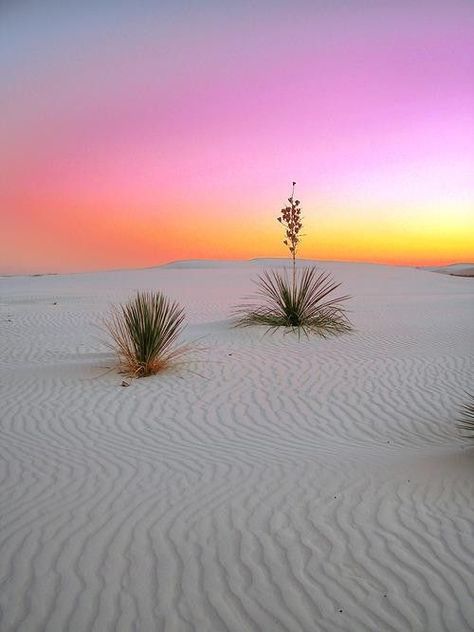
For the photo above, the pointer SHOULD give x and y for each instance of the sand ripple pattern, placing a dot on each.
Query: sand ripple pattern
(271, 485)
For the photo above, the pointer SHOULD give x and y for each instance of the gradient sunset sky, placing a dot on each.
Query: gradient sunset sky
(135, 133)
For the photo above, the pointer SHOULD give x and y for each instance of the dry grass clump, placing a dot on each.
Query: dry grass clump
(466, 419)
(303, 303)
(144, 333)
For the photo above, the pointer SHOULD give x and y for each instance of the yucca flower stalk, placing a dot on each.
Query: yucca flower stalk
(290, 219)
(145, 333)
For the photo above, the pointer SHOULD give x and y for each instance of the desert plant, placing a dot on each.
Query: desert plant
(144, 333)
(466, 418)
(302, 304)
(290, 219)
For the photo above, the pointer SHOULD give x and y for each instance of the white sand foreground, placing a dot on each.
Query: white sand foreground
(273, 485)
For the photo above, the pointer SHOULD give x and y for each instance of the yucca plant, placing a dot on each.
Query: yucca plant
(304, 302)
(145, 333)
(466, 418)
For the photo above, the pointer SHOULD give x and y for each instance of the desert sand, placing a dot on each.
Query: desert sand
(456, 269)
(269, 484)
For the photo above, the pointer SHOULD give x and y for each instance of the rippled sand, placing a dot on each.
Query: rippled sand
(269, 485)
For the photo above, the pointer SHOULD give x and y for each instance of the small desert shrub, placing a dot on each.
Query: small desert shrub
(466, 418)
(144, 333)
(303, 303)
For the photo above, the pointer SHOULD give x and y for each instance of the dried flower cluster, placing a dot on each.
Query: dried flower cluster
(291, 219)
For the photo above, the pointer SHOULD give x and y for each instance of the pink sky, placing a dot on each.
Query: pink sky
(132, 136)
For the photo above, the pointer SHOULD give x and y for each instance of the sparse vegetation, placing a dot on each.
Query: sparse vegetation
(466, 418)
(303, 303)
(145, 333)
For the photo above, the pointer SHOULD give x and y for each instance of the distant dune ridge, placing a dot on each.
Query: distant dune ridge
(270, 486)
(258, 261)
(229, 263)
(456, 269)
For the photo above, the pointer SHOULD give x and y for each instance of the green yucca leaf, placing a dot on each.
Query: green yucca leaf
(145, 331)
(466, 418)
(305, 305)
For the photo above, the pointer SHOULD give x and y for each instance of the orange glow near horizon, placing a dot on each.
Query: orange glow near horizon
(130, 240)
(128, 144)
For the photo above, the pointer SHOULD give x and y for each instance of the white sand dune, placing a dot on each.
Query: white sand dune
(455, 269)
(270, 485)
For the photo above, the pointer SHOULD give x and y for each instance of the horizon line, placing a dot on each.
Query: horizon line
(252, 259)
